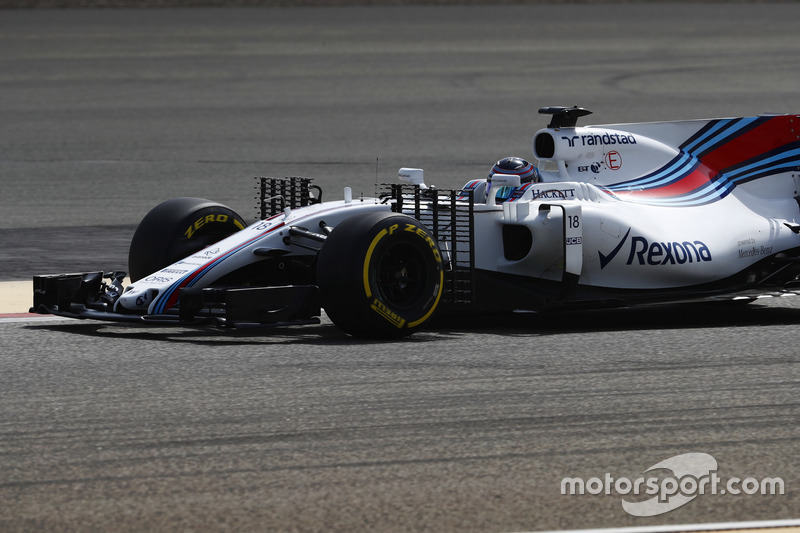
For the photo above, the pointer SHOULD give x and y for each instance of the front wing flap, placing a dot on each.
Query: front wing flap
(88, 296)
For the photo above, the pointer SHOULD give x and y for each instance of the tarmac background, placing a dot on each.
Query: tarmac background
(107, 112)
(115, 428)
(90, 4)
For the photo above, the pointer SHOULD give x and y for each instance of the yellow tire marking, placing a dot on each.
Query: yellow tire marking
(371, 249)
(368, 291)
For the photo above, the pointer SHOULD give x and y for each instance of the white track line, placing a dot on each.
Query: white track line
(721, 526)
(15, 296)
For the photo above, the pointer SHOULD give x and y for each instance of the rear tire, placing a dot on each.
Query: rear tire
(380, 275)
(176, 229)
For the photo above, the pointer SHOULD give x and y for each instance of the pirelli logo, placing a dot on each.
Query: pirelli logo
(387, 313)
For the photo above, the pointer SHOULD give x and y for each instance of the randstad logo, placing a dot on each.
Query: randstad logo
(643, 252)
(691, 475)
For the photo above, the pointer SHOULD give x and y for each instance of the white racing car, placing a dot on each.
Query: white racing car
(613, 215)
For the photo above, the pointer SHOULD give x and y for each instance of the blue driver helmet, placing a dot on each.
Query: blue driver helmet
(514, 166)
(518, 166)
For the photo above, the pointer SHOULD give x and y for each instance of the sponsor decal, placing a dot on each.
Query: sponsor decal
(387, 313)
(755, 251)
(411, 228)
(606, 259)
(643, 252)
(671, 252)
(144, 299)
(611, 160)
(208, 219)
(157, 279)
(606, 139)
(748, 249)
(561, 194)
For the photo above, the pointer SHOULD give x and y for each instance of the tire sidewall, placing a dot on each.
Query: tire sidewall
(177, 228)
(349, 275)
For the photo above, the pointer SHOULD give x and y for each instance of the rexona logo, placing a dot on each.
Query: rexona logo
(644, 252)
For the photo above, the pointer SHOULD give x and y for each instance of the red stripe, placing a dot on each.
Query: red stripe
(770, 135)
(699, 177)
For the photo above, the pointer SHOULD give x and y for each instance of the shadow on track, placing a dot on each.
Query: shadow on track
(686, 316)
(324, 334)
(656, 317)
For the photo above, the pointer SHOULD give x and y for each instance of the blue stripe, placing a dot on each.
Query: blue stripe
(165, 296)
(710, 192)
(781, 160)
(717, 190)
(710, 134)
(675, 170)
(719, 134)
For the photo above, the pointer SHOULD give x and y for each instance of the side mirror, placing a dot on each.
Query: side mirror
(505, 180)
(413, 176)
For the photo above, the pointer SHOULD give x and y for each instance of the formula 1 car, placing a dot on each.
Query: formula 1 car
(612, 215)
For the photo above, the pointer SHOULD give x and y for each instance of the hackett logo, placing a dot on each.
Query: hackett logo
(643, 252)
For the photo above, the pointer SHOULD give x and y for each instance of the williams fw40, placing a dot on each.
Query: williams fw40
(612, 215)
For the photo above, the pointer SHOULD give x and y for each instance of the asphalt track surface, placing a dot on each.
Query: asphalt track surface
(108, 427)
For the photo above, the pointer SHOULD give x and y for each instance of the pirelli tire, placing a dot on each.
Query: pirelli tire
(380, 275)
(177, 228)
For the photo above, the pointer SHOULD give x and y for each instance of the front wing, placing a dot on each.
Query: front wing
(88, 296)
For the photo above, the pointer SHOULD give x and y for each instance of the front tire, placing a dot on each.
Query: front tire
(176, 229)
(380, 275)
